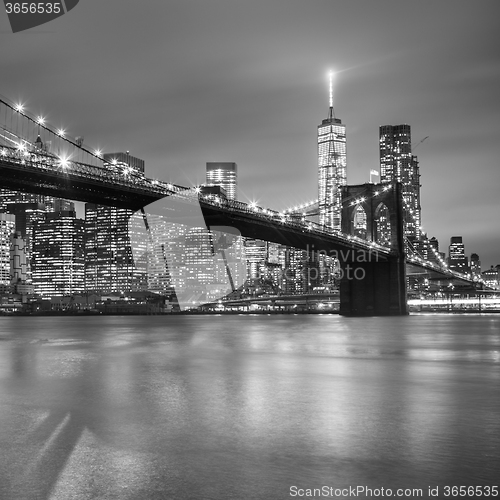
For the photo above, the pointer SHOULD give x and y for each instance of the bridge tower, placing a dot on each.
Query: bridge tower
(371, 286)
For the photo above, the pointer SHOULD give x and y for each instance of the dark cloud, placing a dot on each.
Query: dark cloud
(179, 83)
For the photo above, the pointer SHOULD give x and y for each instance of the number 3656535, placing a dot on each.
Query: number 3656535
(33, 8)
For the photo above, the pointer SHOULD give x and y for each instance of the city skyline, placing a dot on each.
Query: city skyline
(248, 84)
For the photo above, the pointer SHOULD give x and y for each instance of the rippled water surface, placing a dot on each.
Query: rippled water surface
(246, 407)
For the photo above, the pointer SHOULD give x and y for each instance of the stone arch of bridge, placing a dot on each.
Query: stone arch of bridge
(372, 212)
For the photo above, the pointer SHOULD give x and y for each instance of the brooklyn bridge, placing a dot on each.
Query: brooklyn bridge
(69, 170)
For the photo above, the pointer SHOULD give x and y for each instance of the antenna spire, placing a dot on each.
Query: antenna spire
(331, 89)
(331, 113)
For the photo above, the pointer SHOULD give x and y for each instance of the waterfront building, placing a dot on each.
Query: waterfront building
(7, 228)
(397, 164)
(457, 261)
(29, 208)
(332, 168)
(223, 174)
(26, 215)
(58, 254)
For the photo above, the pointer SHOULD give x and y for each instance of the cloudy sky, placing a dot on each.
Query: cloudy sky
(183, 82)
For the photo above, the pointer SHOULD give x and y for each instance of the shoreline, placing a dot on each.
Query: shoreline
(220, 313)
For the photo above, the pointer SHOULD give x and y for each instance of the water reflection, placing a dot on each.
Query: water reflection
(245, 407)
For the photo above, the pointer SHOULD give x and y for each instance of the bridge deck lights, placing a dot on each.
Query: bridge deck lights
(19, 108)
(40, 120)
(63, 162)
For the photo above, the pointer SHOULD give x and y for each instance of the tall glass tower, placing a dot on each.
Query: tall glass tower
(223, 174)
(397, 164)
(332, 171)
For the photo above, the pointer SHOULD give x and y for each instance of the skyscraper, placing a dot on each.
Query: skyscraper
(433, 249)
(397, 164)
(256, 255)
(27, 214)
(223, 174)
(332, 168)
(457, 261)
(58, 254)
(7, 228)
(7, 196)
(28, 208)
(109, 261)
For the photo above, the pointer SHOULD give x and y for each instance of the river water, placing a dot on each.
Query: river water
(247, 406)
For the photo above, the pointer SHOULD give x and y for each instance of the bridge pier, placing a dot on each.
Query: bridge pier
(371, 286)
(374, 288)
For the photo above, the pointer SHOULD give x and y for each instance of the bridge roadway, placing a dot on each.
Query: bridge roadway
(42, 173)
